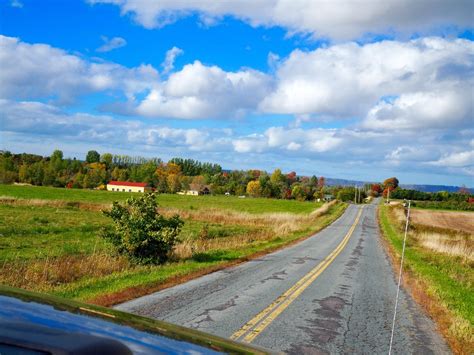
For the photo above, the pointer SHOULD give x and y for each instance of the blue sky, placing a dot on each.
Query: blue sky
(340, 90)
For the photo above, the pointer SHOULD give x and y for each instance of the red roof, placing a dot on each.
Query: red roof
(128, 183)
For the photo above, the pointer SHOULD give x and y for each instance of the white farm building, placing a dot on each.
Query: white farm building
(125, 186)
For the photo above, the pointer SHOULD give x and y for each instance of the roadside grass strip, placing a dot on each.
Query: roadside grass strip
(256, 325)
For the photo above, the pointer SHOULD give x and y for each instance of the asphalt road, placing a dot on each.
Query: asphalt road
(332, 293)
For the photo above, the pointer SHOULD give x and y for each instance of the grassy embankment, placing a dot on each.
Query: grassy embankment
(438, 270)
(49, 239)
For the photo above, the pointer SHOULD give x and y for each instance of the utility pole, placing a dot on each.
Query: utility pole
(355, 194)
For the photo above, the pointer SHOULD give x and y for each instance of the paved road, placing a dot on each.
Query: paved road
(332, 293)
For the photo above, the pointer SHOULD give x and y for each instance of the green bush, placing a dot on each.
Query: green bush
(140, 232)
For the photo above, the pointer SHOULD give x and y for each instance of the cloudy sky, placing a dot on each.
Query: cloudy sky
(356, 89)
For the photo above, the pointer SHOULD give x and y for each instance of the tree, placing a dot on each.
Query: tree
(56, 158)
(277, 177)
(298, 192)
(291, 177)
(92, 156)
(253, 188)
(391, 183)
(140, 232)
(321, 182)
(346, 194)
(377, 188)
(463, 190)
(107, 158)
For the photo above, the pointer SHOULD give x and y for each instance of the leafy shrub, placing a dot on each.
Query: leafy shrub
(140, 232)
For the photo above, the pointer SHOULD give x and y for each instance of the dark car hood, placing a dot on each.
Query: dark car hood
(141, 335)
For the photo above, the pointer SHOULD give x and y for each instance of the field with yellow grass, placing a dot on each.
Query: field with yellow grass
(454, 220)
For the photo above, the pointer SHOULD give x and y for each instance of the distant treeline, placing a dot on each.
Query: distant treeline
(462, 200)
(175, 175)
(460, 196)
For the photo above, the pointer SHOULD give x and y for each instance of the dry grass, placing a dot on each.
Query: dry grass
(7, 200)
(280, 222)
(457, 245)
(270, 225)
(456, 220)
(187, 248)
(440, 232)
(44, 274)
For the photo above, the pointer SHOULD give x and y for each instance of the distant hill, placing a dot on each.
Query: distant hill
(423, 188)
(433, 188)
(344, 182)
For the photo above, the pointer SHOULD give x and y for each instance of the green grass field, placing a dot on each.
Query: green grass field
(449, 280)
(250, 205)
(57, 249)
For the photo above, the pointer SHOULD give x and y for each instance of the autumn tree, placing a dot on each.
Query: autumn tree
(253, 188)
(377, 188)
(391, 183)
(298, 192)
(463, 190)
(277, 177)
(291, 177)
(321, 182)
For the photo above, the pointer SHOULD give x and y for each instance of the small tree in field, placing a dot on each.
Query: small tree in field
(140, 232)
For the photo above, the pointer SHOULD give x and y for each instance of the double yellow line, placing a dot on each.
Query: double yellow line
(256, 325)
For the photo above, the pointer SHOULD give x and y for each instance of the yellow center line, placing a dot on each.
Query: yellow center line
(256, 325)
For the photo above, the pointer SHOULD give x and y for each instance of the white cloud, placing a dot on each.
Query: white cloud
(200, 91)
(459, 159)
(111, 44)
(197, 91)
(344, 19)
(421, 110)
(250, 144)
(312, 141)
(168, 64)
(423, 83)
(16, 3)
(347, 80)
(39, 119)
(42, 71)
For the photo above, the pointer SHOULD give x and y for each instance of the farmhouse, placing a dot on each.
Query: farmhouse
(328, 197)
(196, 190)
(125, 186)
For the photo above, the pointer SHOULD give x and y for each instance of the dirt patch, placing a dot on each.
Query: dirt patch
(462, 221)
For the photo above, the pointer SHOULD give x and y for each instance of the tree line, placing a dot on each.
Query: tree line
(166, 177)
(183, 174)
(461, 200)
